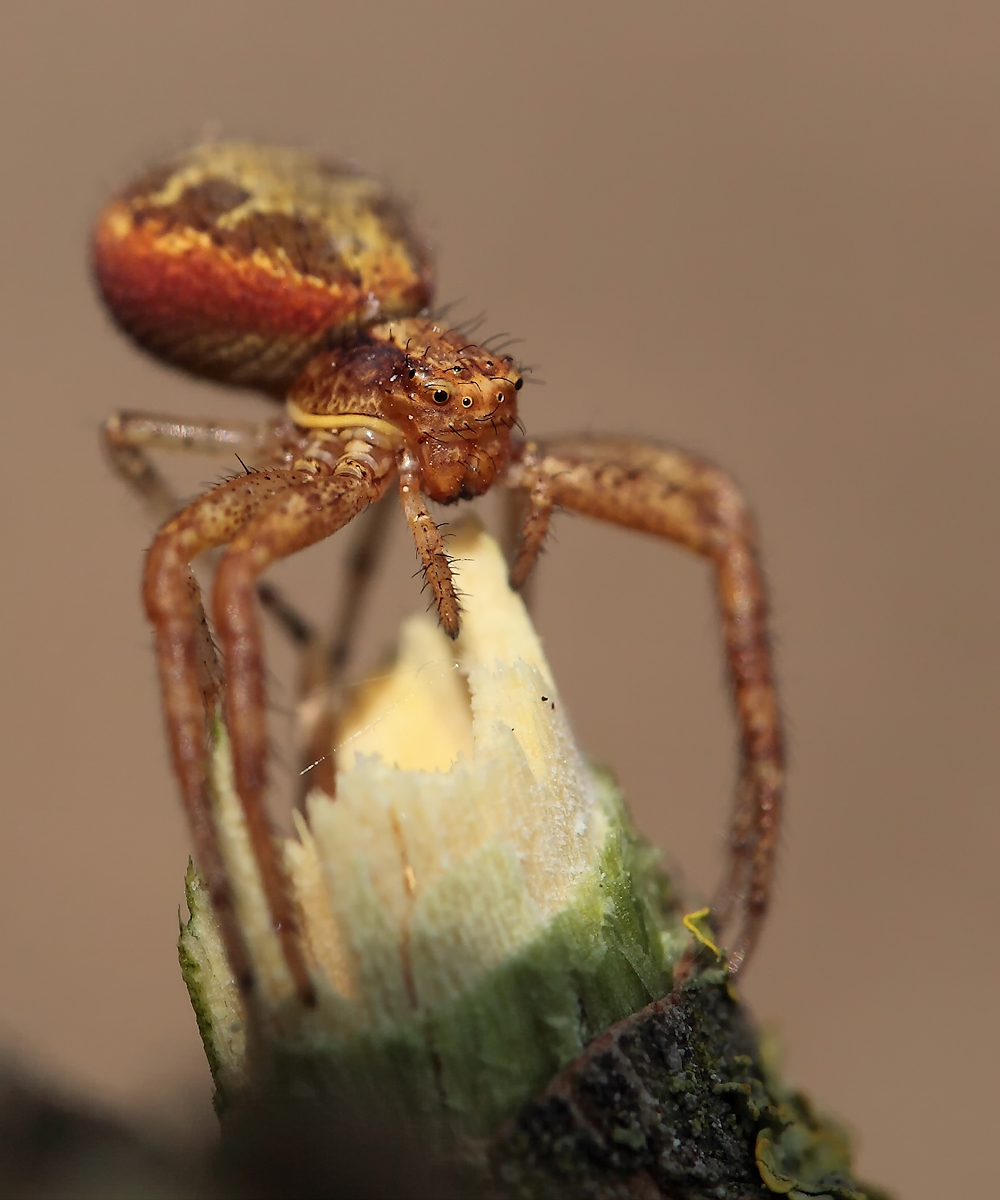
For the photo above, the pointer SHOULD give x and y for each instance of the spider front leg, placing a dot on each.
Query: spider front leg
(434, 560)
(315, 505)
(128, 438)
(173, 605)
(682, 498)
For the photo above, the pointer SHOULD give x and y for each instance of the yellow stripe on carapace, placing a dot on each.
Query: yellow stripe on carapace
(689, 924)
(342, 421)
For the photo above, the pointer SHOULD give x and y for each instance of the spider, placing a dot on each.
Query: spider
(272, 269)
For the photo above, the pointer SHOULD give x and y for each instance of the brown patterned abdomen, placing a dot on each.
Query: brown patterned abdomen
(240, 262)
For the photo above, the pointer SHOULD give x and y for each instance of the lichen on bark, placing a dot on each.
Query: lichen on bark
(676, 1101)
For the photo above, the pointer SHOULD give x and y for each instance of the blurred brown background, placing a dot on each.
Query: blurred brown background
(767, 232)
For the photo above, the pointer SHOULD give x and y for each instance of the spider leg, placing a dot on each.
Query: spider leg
(315, 505)
(535, 520)
(430, 549)
(325, 658)
(129, 436)
(682, 498)
(524, 524)
(189, 689)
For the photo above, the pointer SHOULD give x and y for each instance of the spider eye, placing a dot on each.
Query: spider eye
(466, 401)
(518, 384)
(412, 372)
(440, 396)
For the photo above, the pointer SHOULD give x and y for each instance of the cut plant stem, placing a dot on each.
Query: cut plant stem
(493, 949)
(475, 905)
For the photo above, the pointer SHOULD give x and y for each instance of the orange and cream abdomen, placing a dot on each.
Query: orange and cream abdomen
(241, 262)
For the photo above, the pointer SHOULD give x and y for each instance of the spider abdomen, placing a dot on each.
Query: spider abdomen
(240, 262)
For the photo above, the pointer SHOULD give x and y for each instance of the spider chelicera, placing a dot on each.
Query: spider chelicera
(271, 269)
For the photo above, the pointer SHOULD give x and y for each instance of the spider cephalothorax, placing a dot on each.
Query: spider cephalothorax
(270, 268)
(452, 402)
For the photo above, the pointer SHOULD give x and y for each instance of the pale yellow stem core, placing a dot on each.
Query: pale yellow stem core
(463, 810)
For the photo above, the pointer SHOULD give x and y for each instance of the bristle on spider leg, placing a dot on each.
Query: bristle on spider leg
(468, 328)
(511, 341)
(442, 311)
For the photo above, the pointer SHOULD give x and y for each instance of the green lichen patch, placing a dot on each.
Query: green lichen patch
(674, 1102)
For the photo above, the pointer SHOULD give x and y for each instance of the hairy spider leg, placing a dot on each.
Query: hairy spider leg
(174, 608)
(318, 503)
(129, 436)
(518, 513)
(536, 515)
(434, 560)
(677, 496)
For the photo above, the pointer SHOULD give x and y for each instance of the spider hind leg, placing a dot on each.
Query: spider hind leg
(686, 500)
